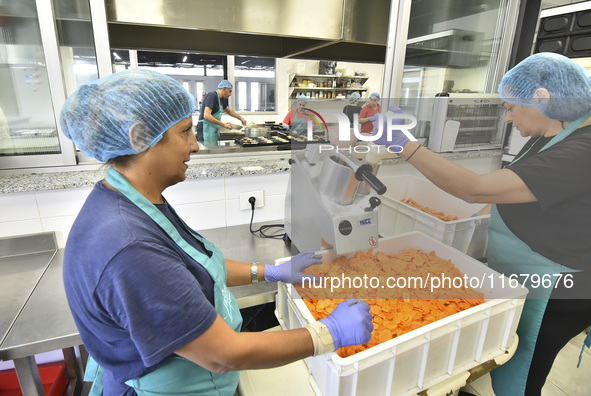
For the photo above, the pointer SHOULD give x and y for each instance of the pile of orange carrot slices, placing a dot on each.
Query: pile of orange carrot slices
(395, 311)
(440, 215)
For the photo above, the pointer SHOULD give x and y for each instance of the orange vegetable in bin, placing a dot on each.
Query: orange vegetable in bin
(426, 209)
(395, 312)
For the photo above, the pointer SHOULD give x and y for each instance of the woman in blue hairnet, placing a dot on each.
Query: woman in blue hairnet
(539, 225)
(296, 119)
(368, 114)
(214, 105)
(150, 295)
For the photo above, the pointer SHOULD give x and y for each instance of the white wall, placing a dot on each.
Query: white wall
(202, 203)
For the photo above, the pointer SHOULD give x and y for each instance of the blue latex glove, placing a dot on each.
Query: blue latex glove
(286, 127)
(350, 323)
(399, 139)
(373, 118)
(291, 271)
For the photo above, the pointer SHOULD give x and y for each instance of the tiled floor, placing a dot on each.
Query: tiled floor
(565, 379)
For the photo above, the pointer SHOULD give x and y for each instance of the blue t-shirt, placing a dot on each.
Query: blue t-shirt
(136, 297)
(211, 101)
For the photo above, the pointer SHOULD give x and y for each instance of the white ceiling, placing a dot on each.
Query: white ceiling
(557, 3)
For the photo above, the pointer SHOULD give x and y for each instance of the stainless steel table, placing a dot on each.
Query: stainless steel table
(44, 323)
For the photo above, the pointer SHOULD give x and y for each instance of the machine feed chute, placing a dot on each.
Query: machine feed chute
(331, 199)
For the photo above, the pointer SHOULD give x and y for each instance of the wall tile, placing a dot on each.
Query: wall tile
(18, 206)
(273, 210)
(61, 202)
(191, 191)
(271, 184)
(21, 227)
(61, 226)
(202, 216)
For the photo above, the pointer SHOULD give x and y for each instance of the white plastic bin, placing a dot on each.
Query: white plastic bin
(468, 234)
(426, 356)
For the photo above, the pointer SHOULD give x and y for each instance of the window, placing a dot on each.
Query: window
(256, 83)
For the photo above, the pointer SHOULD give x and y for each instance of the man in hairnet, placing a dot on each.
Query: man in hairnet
(148, 293)
(214, 106)
(353, 108)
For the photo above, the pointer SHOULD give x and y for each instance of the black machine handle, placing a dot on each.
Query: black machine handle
(365, 172)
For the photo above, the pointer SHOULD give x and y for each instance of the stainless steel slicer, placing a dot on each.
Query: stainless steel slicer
(331, 199)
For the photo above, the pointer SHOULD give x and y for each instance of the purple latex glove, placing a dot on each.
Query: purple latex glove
(373, 118)
(286, 127)
(399, 139)
(291, 271)
(350, 323)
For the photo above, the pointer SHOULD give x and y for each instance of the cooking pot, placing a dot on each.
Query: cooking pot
(257, 131)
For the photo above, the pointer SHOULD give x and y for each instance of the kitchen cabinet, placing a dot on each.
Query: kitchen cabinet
(325, 86)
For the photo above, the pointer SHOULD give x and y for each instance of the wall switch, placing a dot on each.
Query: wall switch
(259, 203)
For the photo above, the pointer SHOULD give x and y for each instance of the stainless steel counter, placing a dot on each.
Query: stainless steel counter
(40, 320)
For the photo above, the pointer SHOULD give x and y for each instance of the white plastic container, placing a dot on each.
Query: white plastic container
(468, 234)
(423, 357)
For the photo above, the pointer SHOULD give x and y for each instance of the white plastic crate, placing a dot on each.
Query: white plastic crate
(468, 234)
(426, 356)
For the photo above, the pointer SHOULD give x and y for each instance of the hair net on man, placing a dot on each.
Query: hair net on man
(354, 97)
(225, 84)
(374, 94)
(568, 83)
(303, 98)
(100, 116)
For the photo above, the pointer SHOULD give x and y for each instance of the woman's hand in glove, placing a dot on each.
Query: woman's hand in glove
(350, 323)
(291, 271)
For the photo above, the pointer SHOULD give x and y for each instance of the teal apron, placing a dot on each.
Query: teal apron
(298, 125)
(509, 255)
(210, 130)
(177, 375)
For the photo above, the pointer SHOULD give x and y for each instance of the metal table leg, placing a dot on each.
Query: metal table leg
(74, 367)
(28, 376)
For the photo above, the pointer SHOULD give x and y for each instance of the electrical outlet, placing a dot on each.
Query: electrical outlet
(259, 203)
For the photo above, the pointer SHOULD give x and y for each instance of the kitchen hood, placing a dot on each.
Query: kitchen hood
(454, 48)
(342, 30)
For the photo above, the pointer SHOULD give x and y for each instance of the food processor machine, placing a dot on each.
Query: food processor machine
(331, 200)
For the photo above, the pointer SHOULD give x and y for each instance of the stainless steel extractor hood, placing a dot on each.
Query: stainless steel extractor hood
(345, 30)
(451, 48)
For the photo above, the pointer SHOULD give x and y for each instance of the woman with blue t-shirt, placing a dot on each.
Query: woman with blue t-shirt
(150, 295)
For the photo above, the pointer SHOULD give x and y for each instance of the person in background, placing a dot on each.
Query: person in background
(368, 114)
(296, 119)
(541, 210)
(203, 95)
(214, 106)
(354, 107)
(149, 294)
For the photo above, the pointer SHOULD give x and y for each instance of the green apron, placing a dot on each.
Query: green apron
(298, 125)
(509, 255)
(210, 130)
(176, 375)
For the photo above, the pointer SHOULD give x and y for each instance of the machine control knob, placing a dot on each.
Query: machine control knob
(374, 202)
(345, 227)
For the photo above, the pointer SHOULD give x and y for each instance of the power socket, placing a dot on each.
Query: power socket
(259, 203)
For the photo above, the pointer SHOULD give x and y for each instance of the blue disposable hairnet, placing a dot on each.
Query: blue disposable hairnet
(568, 83)
(303, 98)
(377, 95)
(100, 115)
(225, 84)
(354, 97)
